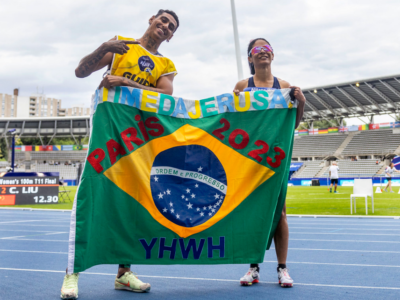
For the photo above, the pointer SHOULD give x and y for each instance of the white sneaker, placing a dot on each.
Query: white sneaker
(69, 289)
(252, 276)
(130, 282)
(284, 278)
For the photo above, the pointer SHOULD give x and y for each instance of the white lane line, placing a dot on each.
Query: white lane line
(343, 250)
(345, 233)
(35, 240)
(213, 279)
(35, 225)
(8, 222)
(21, 236)
(353, 220)
(47, 221)
(56, 233)
(20, 217)
(351, 241)
(28, 251)
(341, 224)
(12, 237)
(333, 264)
(290, 248)
(316, 227)
(26, 230)
(291, 239)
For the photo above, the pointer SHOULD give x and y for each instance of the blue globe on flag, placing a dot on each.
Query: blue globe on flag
(188, 184)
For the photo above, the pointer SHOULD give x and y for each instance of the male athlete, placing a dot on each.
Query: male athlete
(135, 63)
(334, 175)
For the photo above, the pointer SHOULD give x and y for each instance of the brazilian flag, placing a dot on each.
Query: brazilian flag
(176, 181)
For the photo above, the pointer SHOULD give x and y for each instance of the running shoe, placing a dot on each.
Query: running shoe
(335, 192)
(69, 289)
(386, 190)
(252, 276)
(391, 191)
(330, 190)
(284, 278)
(130, 282)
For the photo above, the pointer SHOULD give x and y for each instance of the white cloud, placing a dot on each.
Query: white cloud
(316, 42)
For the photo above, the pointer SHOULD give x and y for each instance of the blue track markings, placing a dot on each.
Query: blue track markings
(329, 258)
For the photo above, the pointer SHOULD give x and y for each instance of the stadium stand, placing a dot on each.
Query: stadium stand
(61, 156)
(365, 167)
(318, 145)
(310, 169)
(374, 142)
(69, 172)
(66, 172)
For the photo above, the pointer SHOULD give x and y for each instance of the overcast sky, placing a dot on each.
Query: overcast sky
(316, 42)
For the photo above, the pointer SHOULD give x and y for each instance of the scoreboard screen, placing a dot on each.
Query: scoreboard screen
(28, 189)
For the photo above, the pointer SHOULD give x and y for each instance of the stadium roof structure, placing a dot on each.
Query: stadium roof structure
(75, 127)
(356, 98)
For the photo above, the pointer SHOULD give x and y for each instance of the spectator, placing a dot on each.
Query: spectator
(334, 174)
(389, 174)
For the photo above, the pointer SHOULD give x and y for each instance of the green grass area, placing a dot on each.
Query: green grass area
(306, 201)
(316, 200)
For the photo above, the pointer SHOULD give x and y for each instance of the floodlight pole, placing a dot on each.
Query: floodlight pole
(236, 36)
(13, 152)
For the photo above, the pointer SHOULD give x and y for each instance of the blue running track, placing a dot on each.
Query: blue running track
(329, 258)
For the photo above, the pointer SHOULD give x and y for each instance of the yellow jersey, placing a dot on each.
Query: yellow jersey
(140, 65)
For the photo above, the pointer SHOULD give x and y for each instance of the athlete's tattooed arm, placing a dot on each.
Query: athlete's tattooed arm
(102, 57)
(164, 84)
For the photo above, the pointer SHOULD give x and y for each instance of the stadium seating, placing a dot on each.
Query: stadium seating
(311, 169)
(61, 156)
(362, 168)
(66, 172)
(373, 142)
(317, 145)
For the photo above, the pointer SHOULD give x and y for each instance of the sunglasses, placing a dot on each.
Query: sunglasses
(266, 48)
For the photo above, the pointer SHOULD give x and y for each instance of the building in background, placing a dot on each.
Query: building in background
(78, 111)
(8, 104)
(36, 105)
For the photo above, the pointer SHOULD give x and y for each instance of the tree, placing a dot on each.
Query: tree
(3, 149)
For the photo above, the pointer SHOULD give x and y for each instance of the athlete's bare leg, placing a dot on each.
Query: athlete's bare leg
(389, 185)
(281, 238)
